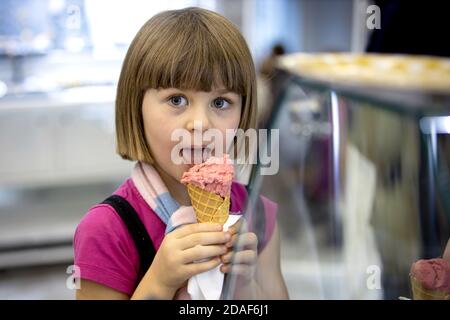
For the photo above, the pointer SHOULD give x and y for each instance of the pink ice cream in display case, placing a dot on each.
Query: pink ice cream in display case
(430, 278)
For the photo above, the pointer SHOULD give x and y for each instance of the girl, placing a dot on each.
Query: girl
(183, 66)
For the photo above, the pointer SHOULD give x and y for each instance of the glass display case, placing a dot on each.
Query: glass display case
(363, 187)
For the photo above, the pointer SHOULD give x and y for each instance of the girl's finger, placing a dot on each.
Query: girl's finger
(240, 225)
(247, 240)
(241, 257)
(225, 268)
(226, 258)
(232, 241)
(204, 238)
(196, 227)
(237, 269)
(235, 227)
(202, 252)
(199, 267)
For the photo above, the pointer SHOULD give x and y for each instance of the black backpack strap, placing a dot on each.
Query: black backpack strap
(136, 228)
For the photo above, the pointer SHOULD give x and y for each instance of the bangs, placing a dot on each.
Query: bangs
(190, 55)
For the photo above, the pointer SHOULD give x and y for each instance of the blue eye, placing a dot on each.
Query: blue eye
(178, 101)
(221, 103)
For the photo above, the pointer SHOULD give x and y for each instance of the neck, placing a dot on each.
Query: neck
(177, 190)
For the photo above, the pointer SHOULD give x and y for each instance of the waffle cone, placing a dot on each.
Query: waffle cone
(208, 206)
(421, 293)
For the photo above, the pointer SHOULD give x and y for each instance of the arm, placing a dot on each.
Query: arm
(174, 263)
(90, 290)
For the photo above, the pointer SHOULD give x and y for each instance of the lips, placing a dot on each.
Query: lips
(195, 155)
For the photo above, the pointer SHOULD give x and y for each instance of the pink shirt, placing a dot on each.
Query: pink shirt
(104, 250)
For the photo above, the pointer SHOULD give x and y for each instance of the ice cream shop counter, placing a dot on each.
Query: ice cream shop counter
(364, 176)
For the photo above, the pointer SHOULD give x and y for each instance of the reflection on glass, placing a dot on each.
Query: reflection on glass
(362, 192)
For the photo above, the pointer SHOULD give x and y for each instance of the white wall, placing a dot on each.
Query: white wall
(326, 25)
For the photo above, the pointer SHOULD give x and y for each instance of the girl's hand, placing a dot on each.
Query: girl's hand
(185, 252)
(242, 262)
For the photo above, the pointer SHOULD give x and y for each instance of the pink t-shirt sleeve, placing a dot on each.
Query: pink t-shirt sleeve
(104, 250)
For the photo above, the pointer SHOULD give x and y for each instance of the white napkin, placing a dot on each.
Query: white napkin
(208, 285)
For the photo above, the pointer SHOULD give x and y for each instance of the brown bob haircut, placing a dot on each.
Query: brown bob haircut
(188, 49)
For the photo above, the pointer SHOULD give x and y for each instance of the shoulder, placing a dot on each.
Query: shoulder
(102, 222)
(104, 250)
(103, 226)
(99, 221)
(101, 234)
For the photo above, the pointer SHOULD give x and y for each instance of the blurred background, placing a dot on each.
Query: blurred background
(363, 183)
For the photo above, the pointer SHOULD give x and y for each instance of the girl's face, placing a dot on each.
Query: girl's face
(165, 110)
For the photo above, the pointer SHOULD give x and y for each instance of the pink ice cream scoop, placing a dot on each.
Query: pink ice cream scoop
(433, 274)
(214, 175)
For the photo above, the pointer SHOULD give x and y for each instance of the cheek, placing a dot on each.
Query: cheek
(157, 133)
(229, 120)
(229, 123)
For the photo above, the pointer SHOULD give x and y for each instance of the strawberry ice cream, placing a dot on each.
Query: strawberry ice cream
(215, 175)
(433, 274)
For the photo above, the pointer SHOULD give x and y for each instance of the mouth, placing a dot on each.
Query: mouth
(195, 155)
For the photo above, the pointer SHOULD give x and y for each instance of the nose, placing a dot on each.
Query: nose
(198, 120)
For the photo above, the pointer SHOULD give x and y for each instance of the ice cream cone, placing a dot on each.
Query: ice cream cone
(421, 293)
(209, 206)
